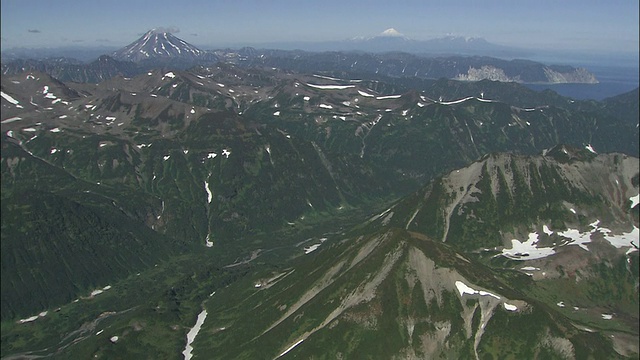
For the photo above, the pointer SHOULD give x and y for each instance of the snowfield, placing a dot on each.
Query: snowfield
(527, 250)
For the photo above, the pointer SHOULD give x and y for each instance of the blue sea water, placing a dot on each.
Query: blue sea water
(614, 79)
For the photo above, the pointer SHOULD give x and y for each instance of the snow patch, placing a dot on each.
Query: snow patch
(169, 75)
(326, 77)
(277, 113)
(510, 307)
(616, 240)
(209, 194)
(33, 318)
(607, 316)
(314, 247)
(465, 289)
(311, 248)
(191, 335)
(590, 148)
(527, 250)
(456, 101)
(208, 243)
(530, 268)
(362, 93)
(11, 119)
(634, 200)
(9, 98)
(226, 153)
(325, 106)
(388, 97)
(291, 347)
(330, 87)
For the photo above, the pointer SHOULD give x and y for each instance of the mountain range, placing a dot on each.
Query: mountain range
(391, 40)
(156, 49)
(237, 209)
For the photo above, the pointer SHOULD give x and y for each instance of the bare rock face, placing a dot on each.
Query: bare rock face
(579, 75)
(486, 72)
(489, 72)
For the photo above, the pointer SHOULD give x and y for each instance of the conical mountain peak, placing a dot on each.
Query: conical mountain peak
(157, 43)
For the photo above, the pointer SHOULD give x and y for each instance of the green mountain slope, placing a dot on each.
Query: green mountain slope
(263, 185)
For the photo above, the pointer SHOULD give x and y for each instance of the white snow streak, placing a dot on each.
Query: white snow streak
(291, 347)
(388, 97)
(11, 119)
(9, 98)
(191, 335)
(330, 87)
(465, 289)
(362, 93)
(456, 101)
(209, 194)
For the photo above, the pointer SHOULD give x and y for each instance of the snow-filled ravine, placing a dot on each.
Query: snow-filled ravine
(191, 335)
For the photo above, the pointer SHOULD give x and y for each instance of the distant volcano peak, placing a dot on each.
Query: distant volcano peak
(157, 43)
(391, 32)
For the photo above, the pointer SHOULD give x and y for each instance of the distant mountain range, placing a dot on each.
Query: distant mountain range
(156, 49)
(391, 40)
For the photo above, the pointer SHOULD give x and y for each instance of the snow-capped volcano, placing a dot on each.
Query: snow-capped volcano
(391, 32)
(158, 44)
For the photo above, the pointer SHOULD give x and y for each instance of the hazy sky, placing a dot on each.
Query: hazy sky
(609, 25)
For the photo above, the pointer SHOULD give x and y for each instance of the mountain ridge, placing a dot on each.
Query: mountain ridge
(320, 201)
(158, 48)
